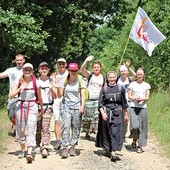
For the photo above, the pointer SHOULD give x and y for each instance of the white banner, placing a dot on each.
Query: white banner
(145, 33)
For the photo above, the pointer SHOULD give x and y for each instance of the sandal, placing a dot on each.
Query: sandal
(140, 150)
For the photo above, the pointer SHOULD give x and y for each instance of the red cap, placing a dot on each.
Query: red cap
(73, 66)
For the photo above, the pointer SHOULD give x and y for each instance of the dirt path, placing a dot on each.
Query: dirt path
(88, 157)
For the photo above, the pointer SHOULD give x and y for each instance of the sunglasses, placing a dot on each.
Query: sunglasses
(73, 70)
(27, 70)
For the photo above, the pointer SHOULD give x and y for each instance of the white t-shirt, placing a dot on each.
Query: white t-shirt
(139, 90)
(14, 74)
(28, 94)
(60, 78)
(124, 84)
(94, 86)
(45, 91)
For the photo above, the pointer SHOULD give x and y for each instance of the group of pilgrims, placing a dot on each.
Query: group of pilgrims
(113, 102)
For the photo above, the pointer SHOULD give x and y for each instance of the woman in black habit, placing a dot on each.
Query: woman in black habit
(112, 106)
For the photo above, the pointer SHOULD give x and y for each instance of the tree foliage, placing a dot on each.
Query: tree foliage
(47, 30)
(157, 66)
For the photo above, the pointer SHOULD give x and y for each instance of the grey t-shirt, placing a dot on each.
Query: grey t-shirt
(72, 96)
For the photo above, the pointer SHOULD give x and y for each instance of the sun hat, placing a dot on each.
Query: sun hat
(73, 67)
(43, 64)
(28, 65)
(123, 68)
(61, 60)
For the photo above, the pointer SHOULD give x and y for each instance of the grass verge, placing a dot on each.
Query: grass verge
(159, 118)
(4, 129)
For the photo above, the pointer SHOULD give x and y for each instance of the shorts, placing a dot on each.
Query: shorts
(11, 107)
(56, 109)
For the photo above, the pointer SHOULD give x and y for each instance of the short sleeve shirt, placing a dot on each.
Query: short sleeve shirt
(72, 97)
(45, 91)
(94, 86)
(139, 90)
(14, 74)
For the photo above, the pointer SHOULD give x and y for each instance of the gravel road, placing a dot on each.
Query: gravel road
(88, 158)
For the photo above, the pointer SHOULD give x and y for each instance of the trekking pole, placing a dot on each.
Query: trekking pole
(123, 54)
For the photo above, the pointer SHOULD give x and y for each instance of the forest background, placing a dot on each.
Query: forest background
(47, 30)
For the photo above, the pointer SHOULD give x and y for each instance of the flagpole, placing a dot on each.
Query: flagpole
(123, 54)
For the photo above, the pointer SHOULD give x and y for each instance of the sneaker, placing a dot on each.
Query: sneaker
(57, 146)
(72, 151)
(64, 154)
(22, 154)
(29, 158)
(44, 153)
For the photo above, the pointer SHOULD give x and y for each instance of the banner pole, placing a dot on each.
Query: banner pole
(123, 54)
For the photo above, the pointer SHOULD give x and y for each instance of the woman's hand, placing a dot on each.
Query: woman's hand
(89, 58)
(128, 63)
(126, 119)
(23, 86)
(81, 110)
(42, 112)
(104, 116)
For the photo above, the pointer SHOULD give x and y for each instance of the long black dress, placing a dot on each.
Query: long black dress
(110, 133)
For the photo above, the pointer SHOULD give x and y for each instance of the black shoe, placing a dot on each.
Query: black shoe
(57, 146)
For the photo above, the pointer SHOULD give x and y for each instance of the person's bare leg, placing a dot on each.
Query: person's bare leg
(22, 153)
(57, 129)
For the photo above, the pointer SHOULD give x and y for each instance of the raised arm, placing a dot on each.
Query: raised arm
(83, 69)
(132, 72)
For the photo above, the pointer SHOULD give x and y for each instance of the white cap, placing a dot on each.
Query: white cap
(123, 68)
(61, 60)
(28, 65)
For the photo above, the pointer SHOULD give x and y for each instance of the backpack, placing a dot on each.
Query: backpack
(34, 86)
(13, 119)
(86, 90)
(90, 76)
(80, 79)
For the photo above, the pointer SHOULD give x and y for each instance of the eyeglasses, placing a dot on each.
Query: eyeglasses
(27, 70)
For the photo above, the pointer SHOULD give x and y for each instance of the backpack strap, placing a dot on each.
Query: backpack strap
(79, 78)
(34, 80)
(34, 86)
(90, 76)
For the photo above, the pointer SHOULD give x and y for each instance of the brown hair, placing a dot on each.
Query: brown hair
(96, 62)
